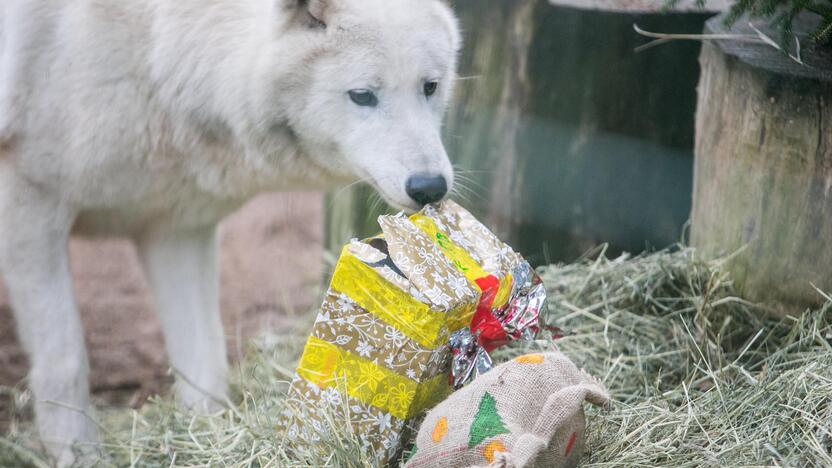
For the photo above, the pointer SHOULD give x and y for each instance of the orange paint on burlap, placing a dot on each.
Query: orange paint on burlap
(440, 429)
(529, 359)
(491, 450)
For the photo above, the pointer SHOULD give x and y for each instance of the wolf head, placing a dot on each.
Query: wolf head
(365, 99)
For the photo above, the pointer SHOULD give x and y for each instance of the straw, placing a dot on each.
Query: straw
(700, 377)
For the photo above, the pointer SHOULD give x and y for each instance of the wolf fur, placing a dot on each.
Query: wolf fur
(154, 119)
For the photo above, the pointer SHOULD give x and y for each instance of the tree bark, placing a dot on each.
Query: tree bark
(763, 170)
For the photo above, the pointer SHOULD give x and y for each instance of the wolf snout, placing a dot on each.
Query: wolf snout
(426, 188)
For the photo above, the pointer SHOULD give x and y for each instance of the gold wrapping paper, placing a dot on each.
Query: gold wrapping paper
(379, 346)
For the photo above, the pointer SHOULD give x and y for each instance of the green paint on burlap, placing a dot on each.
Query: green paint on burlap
(487, 422)
(409, 455)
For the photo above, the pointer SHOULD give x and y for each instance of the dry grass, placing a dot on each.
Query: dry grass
(699, 376)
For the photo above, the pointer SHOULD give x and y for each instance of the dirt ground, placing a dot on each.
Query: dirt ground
(271, 268)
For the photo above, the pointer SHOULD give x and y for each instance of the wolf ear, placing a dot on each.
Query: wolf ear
(311, 13)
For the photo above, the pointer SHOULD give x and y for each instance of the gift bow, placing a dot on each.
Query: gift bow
(492, 327)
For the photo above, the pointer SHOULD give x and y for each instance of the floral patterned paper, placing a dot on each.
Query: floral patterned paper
(345, 323)
(462, 228)
(418, 257)
(379, 431)
(367, 361)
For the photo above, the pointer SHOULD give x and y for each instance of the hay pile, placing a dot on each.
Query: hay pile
(699, 376)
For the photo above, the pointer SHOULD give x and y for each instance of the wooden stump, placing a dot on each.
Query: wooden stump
(763, 167)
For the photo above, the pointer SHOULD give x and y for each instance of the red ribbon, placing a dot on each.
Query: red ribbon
(485, 325)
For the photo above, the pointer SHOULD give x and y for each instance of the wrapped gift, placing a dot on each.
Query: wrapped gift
(434, 291)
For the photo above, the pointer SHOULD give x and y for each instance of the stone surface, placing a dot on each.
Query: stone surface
(271, 268)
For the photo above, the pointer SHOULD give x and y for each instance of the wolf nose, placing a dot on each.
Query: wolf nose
(425, 188)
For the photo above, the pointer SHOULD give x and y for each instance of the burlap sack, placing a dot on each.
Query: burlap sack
(524, 413)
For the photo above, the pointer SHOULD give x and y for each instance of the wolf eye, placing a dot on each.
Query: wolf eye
(363, 97)
(430, 88)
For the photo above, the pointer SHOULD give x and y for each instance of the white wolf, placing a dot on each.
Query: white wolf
(156, 118)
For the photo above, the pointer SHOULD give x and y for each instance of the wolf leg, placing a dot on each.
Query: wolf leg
(182, 267)
(34, 232)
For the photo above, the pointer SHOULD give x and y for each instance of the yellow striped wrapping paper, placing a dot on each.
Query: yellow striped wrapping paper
(379, 346)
